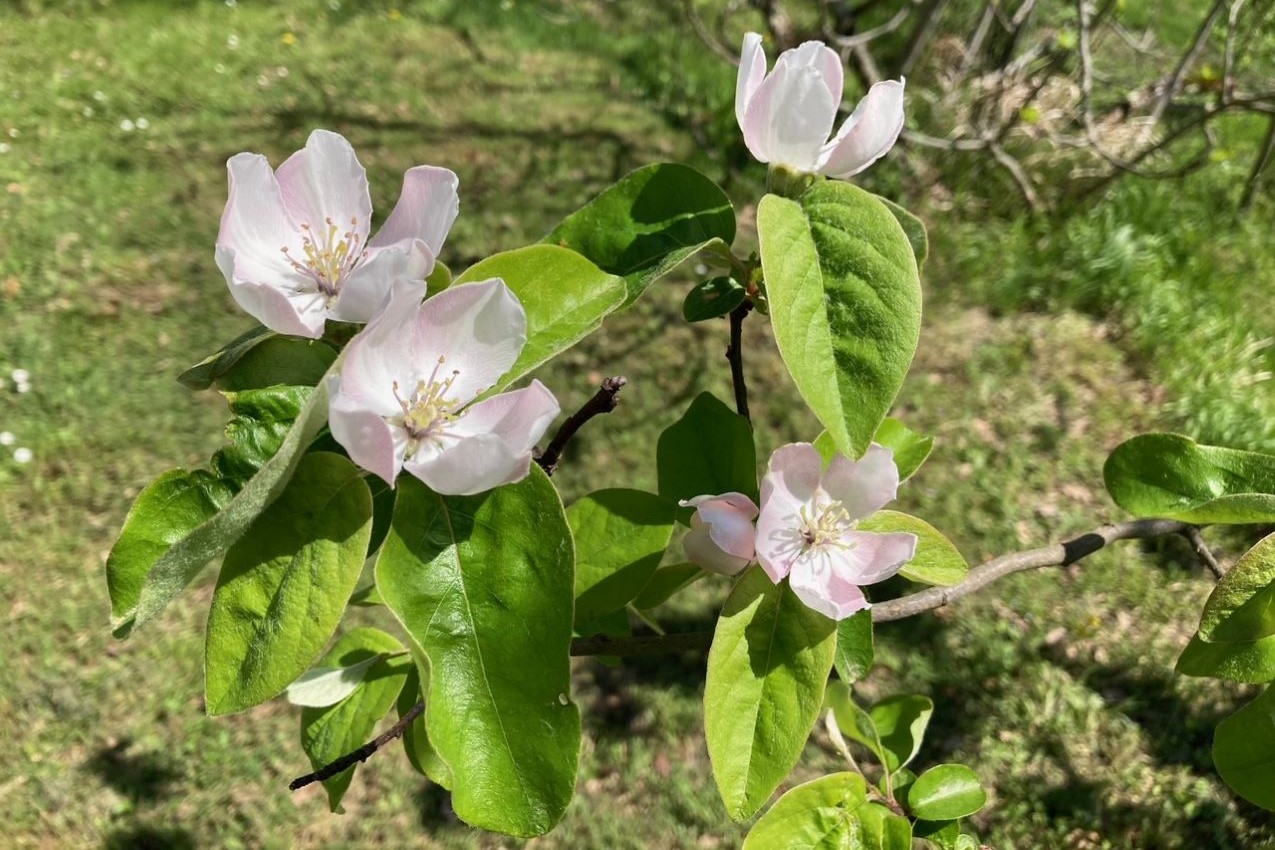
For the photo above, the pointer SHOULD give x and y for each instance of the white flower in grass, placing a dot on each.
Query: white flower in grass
(23, 455)
(406, 394)
(787, 115)
(294, 243)
(7, 438)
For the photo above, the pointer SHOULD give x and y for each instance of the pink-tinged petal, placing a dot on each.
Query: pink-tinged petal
(364, 292)
(479, 328)
(729, 521)
(868, 134)
(791, 483)
(866, 485)
(255, 224)
(372, 442)
(820, 582)
(283, 311)
(426, 209)
(822, 58)
(519, 418)
(387, 351)
(472, 465)
(789, 118)
(702, 549)
(752, 70)
(324, 180)
(869, 557)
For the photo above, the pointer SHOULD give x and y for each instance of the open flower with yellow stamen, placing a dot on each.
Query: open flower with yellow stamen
(294, 244)
(405, 397)
(807, 527)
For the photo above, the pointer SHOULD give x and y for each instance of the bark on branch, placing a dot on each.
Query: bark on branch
(603, 401)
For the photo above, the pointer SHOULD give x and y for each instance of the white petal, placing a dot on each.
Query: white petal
(791, 483)
(426, 209)
(701, 549)
(819, 580)
(868, 134)
(324, 180)
(387, 351)
(372, 443)
(473, 465)
(520, 418)
(752, 70)
(822, 58)
(255, 224)
(789, 118)
(870, 557)
(364, 292)
(864, 486)
(479, 328)
(282, 310)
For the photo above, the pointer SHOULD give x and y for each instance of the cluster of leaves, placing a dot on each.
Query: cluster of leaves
(1171, 476)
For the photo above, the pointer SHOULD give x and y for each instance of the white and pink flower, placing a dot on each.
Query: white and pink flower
(806, 531)
(294, 244)
(787, 115)
(405, 396)
(722, 536)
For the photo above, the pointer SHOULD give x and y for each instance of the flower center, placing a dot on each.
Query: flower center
(429, 411)
(330, 256)
(823, 525)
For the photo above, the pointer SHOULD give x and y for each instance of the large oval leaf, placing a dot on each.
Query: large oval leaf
(483, 584)
(180, 563)
(845, 302)
(565, 297)
(332, 731)
(1168, 475)
(1244, 750)
(284, 585)
(708, 451)
(830, 812)
(936, 561)
(767, 669)
(1249, 662)
(946, 792)
(1242, 605)
(648, 222)
(620, 536)
(855, 650)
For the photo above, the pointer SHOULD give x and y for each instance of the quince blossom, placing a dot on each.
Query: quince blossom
(806, 531)
(405, 397)
(722, 536)
(786, 115)
(294, 243)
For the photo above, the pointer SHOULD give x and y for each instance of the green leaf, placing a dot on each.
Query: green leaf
(1242, 605)
(323, 686)
(767, 669)
(829, 812)
(483, 584)
(279, 360)
(946, 792)
(1250, 662)
(855, 651)
(284, 585)
(439, 279)
(424, 759)
(664, 583)
(620, 537)
(566, 297)
(1244, 750)
(203, 374)
(845, 303)
(168, 509)
(712, 299)
(913, 227)
(648, 223)
(330, 732)
(1168, 475)
(900, 722)
(852, 720)
(941, 833)
(936, 561)
(260, 420)
(910, 448)
(708, 451)
(175, 568)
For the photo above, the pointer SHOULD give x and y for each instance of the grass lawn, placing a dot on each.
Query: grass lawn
(116, 120)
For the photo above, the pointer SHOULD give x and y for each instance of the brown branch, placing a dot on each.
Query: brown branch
(1192, 534)
(1057, 555)
(641, 645)
(603, 401)
(362, 754)
(735, 354)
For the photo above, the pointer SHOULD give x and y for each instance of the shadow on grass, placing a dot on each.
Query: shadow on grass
(142, 777)
(141, 837)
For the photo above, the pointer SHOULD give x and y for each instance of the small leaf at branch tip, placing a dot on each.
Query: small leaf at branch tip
(324, 686)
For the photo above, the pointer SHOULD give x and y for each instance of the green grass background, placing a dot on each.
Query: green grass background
(1046, 342)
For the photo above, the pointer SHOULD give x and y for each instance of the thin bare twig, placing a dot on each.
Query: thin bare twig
(362, 754)
(1174, 82)
(735, 354)
(603, 401)
(1202, 550)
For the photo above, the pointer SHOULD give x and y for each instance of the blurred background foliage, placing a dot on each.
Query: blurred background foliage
(1050, 336)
